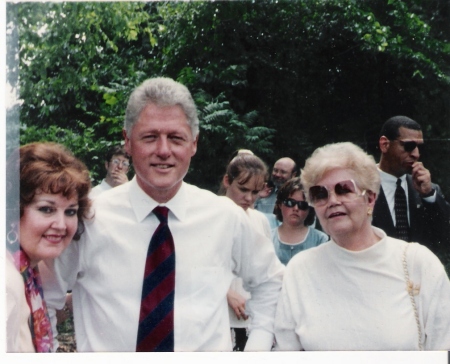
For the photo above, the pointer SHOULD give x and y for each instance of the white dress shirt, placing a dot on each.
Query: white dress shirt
(213, 239)
(97, 190)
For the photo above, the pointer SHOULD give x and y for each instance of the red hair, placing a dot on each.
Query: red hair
(51, 168)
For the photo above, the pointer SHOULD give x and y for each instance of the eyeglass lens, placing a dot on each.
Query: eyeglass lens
(409, 146)
(118, 162)
(290, 202)
(320, 194)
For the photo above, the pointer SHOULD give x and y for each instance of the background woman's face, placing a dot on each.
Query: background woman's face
(47, 226)
(293, 215)
(244, 194)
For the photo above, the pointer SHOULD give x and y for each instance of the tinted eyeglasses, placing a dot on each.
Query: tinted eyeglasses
(346, 191)
(409, 146)
(290, 202)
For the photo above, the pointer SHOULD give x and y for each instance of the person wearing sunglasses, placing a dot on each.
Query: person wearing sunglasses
(243, 180)
(362, 290)
(117, 164)
(427, 219)
(295, 233)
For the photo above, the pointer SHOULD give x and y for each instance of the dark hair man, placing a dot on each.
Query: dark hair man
(125, 297)
(426, 217)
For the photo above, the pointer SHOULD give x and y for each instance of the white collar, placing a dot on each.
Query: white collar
(142, 204)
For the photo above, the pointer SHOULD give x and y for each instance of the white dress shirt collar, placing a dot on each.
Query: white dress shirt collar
(389, 178)
(389, 185)
(142, 204)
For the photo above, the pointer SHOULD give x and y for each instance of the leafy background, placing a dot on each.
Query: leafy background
(278, 77)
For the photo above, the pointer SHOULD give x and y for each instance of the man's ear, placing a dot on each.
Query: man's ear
(226, 181)
(127, 142)
(384, 144)
(106, 165)
(194, 145)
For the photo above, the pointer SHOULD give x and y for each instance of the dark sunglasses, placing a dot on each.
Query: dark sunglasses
(290, 202)
(345, 190)
(409, 146)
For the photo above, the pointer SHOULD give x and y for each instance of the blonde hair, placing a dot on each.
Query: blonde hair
(343, 155)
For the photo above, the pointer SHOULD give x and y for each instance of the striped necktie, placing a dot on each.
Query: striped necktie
(155, 332)
(401, 216)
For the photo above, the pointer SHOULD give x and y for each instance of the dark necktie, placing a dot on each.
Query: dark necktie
(155, 331)
(401, 216)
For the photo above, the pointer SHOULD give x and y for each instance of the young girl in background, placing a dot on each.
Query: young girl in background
(294, 234)
(243, 180)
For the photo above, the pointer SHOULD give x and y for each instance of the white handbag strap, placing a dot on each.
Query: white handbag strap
(410, 288)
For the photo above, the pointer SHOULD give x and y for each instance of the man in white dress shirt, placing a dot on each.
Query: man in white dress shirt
(213, 239)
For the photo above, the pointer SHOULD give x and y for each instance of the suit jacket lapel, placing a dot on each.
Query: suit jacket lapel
(382, 216)
(415, 205)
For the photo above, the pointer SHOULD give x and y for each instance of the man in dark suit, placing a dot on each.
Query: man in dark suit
(427, 219)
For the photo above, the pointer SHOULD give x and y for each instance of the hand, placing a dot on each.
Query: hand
(119, 177)
(237, 303)
(63, 314)
(265, 192)
(421, 179)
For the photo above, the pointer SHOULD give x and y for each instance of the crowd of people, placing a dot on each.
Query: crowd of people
(337, 255)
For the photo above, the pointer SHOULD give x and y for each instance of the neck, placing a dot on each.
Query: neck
(109, 180)
(360, 240)
(385, 167)
(162, 195)
(292, 233)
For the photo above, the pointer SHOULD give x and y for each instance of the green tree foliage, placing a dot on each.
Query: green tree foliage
(79, 63)
(278, 77)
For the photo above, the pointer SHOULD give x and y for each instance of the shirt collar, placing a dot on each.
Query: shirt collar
(389, 178)
(142, 204)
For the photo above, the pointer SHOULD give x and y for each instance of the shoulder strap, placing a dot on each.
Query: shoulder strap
(410, 288)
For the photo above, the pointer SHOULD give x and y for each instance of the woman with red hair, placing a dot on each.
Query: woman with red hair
(42, 219)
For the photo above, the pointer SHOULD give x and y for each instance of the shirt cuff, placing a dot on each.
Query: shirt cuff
(259, 340)
(430, 199)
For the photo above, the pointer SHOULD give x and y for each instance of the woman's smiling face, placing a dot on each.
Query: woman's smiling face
(339, 218)
(48, 225)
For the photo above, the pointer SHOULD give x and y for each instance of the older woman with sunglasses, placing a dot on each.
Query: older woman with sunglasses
(361, 290)
(294, 234)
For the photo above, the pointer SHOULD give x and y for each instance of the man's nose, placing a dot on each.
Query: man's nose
(415, 153)
(163, 147)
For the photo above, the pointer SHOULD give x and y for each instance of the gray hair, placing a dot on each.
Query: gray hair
(161, 91)
(341, 156)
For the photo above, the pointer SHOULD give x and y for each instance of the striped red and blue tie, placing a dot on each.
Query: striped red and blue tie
(155, 332)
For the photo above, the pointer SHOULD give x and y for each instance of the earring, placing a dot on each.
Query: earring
(12, 237)
(369, 211)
